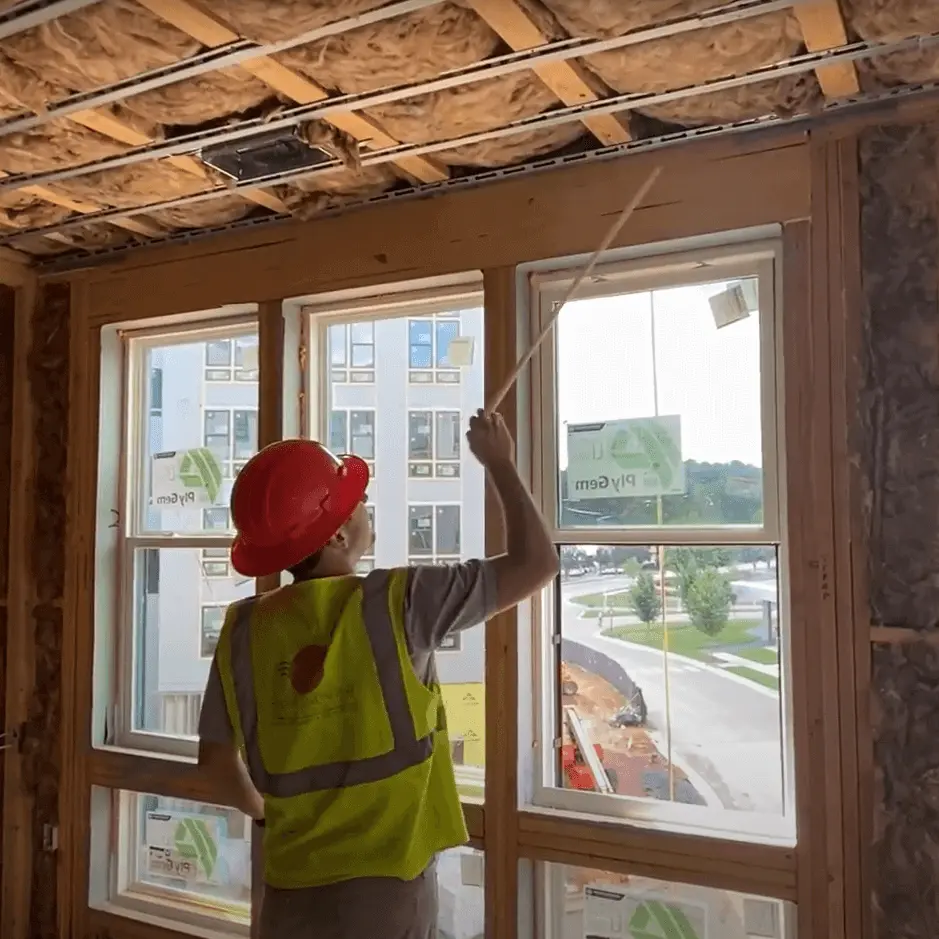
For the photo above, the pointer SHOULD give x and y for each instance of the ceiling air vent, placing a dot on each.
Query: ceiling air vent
(264, 155)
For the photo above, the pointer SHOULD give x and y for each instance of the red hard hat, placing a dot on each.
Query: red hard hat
(288, 501)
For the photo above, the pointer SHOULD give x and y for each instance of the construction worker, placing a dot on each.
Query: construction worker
(328, 687)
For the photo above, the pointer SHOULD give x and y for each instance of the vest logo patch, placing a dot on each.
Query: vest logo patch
(306, 669)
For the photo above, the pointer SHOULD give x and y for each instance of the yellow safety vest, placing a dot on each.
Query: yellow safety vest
(357, 775)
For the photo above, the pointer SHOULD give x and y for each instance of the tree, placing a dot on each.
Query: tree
(687, 563)
(709, 601)
(644, 599)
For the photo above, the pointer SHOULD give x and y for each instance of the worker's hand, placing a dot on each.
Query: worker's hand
(489, 439)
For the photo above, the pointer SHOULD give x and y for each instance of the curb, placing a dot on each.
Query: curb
(687, 660)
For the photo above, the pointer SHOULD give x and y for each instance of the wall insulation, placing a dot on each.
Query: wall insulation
(899, 417)
(6, 440)
(48, 377)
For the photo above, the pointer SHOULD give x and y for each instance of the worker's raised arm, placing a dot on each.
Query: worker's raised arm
(530, 560)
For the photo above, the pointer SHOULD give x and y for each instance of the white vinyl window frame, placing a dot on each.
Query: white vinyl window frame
(317, 315)
(117, 618)
(115, 889)
(761, 259)
(435, 466)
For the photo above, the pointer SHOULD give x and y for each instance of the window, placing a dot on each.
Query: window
(666, 637)
(434, 443)
(213, 617)
(581, 902)
(215, 561)
(353, 431)
(156, 391)
(176, 858)
(173, 552)
(352, 352)
(428, 349)
(232, 359)
(434, 534)
(384, 423)
(232, 435)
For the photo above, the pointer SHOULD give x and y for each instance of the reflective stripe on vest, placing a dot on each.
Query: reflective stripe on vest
(408, 750)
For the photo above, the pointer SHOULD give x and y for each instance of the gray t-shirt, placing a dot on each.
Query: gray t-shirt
(440, 600)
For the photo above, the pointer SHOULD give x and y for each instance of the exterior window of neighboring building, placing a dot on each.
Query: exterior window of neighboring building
(428, 347)
(353, 431)
(434, 443)
(232, 435)
(434, 534)
(351, 348)
(213, 616)
(232, 359)
(215, 561)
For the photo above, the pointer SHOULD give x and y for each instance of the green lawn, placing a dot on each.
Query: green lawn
(762, 654)
(751, 674)
(618, 599)
(685, 639)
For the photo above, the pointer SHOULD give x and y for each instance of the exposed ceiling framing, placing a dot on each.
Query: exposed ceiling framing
(583, 55)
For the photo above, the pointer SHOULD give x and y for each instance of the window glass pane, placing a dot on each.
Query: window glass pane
(196, 856)
(156, 389)
(218, 353)
(362, 431)
(449, 435)
(176, 617)
(419, 332)
(363, 356)
(420, 529)
(337, 345)
(676, 438)
(362, 333)
(420, 435)
(245, 425)
(216, 519)
(212, 619)
(246, 358)
(461, 906)
(420, 356)
(174, 482)
(217, 423)
(582, 902)
(399, 423)
(447, 330)
(339, 431)
(671, 665)
(448, 530)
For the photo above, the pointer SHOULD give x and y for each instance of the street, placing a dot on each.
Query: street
(723, 727)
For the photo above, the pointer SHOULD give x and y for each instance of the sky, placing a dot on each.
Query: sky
(708, 376)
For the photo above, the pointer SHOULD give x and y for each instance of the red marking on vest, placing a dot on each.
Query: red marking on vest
(306, 670)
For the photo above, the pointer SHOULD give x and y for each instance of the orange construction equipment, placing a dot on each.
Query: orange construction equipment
(582, 760)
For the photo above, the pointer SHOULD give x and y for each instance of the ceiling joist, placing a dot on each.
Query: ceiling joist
(214, 33)
(565, 78)
(823, 28)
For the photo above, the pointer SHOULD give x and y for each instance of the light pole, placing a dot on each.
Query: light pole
(664, 595)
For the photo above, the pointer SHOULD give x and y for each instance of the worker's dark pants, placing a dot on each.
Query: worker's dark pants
(368, 908)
